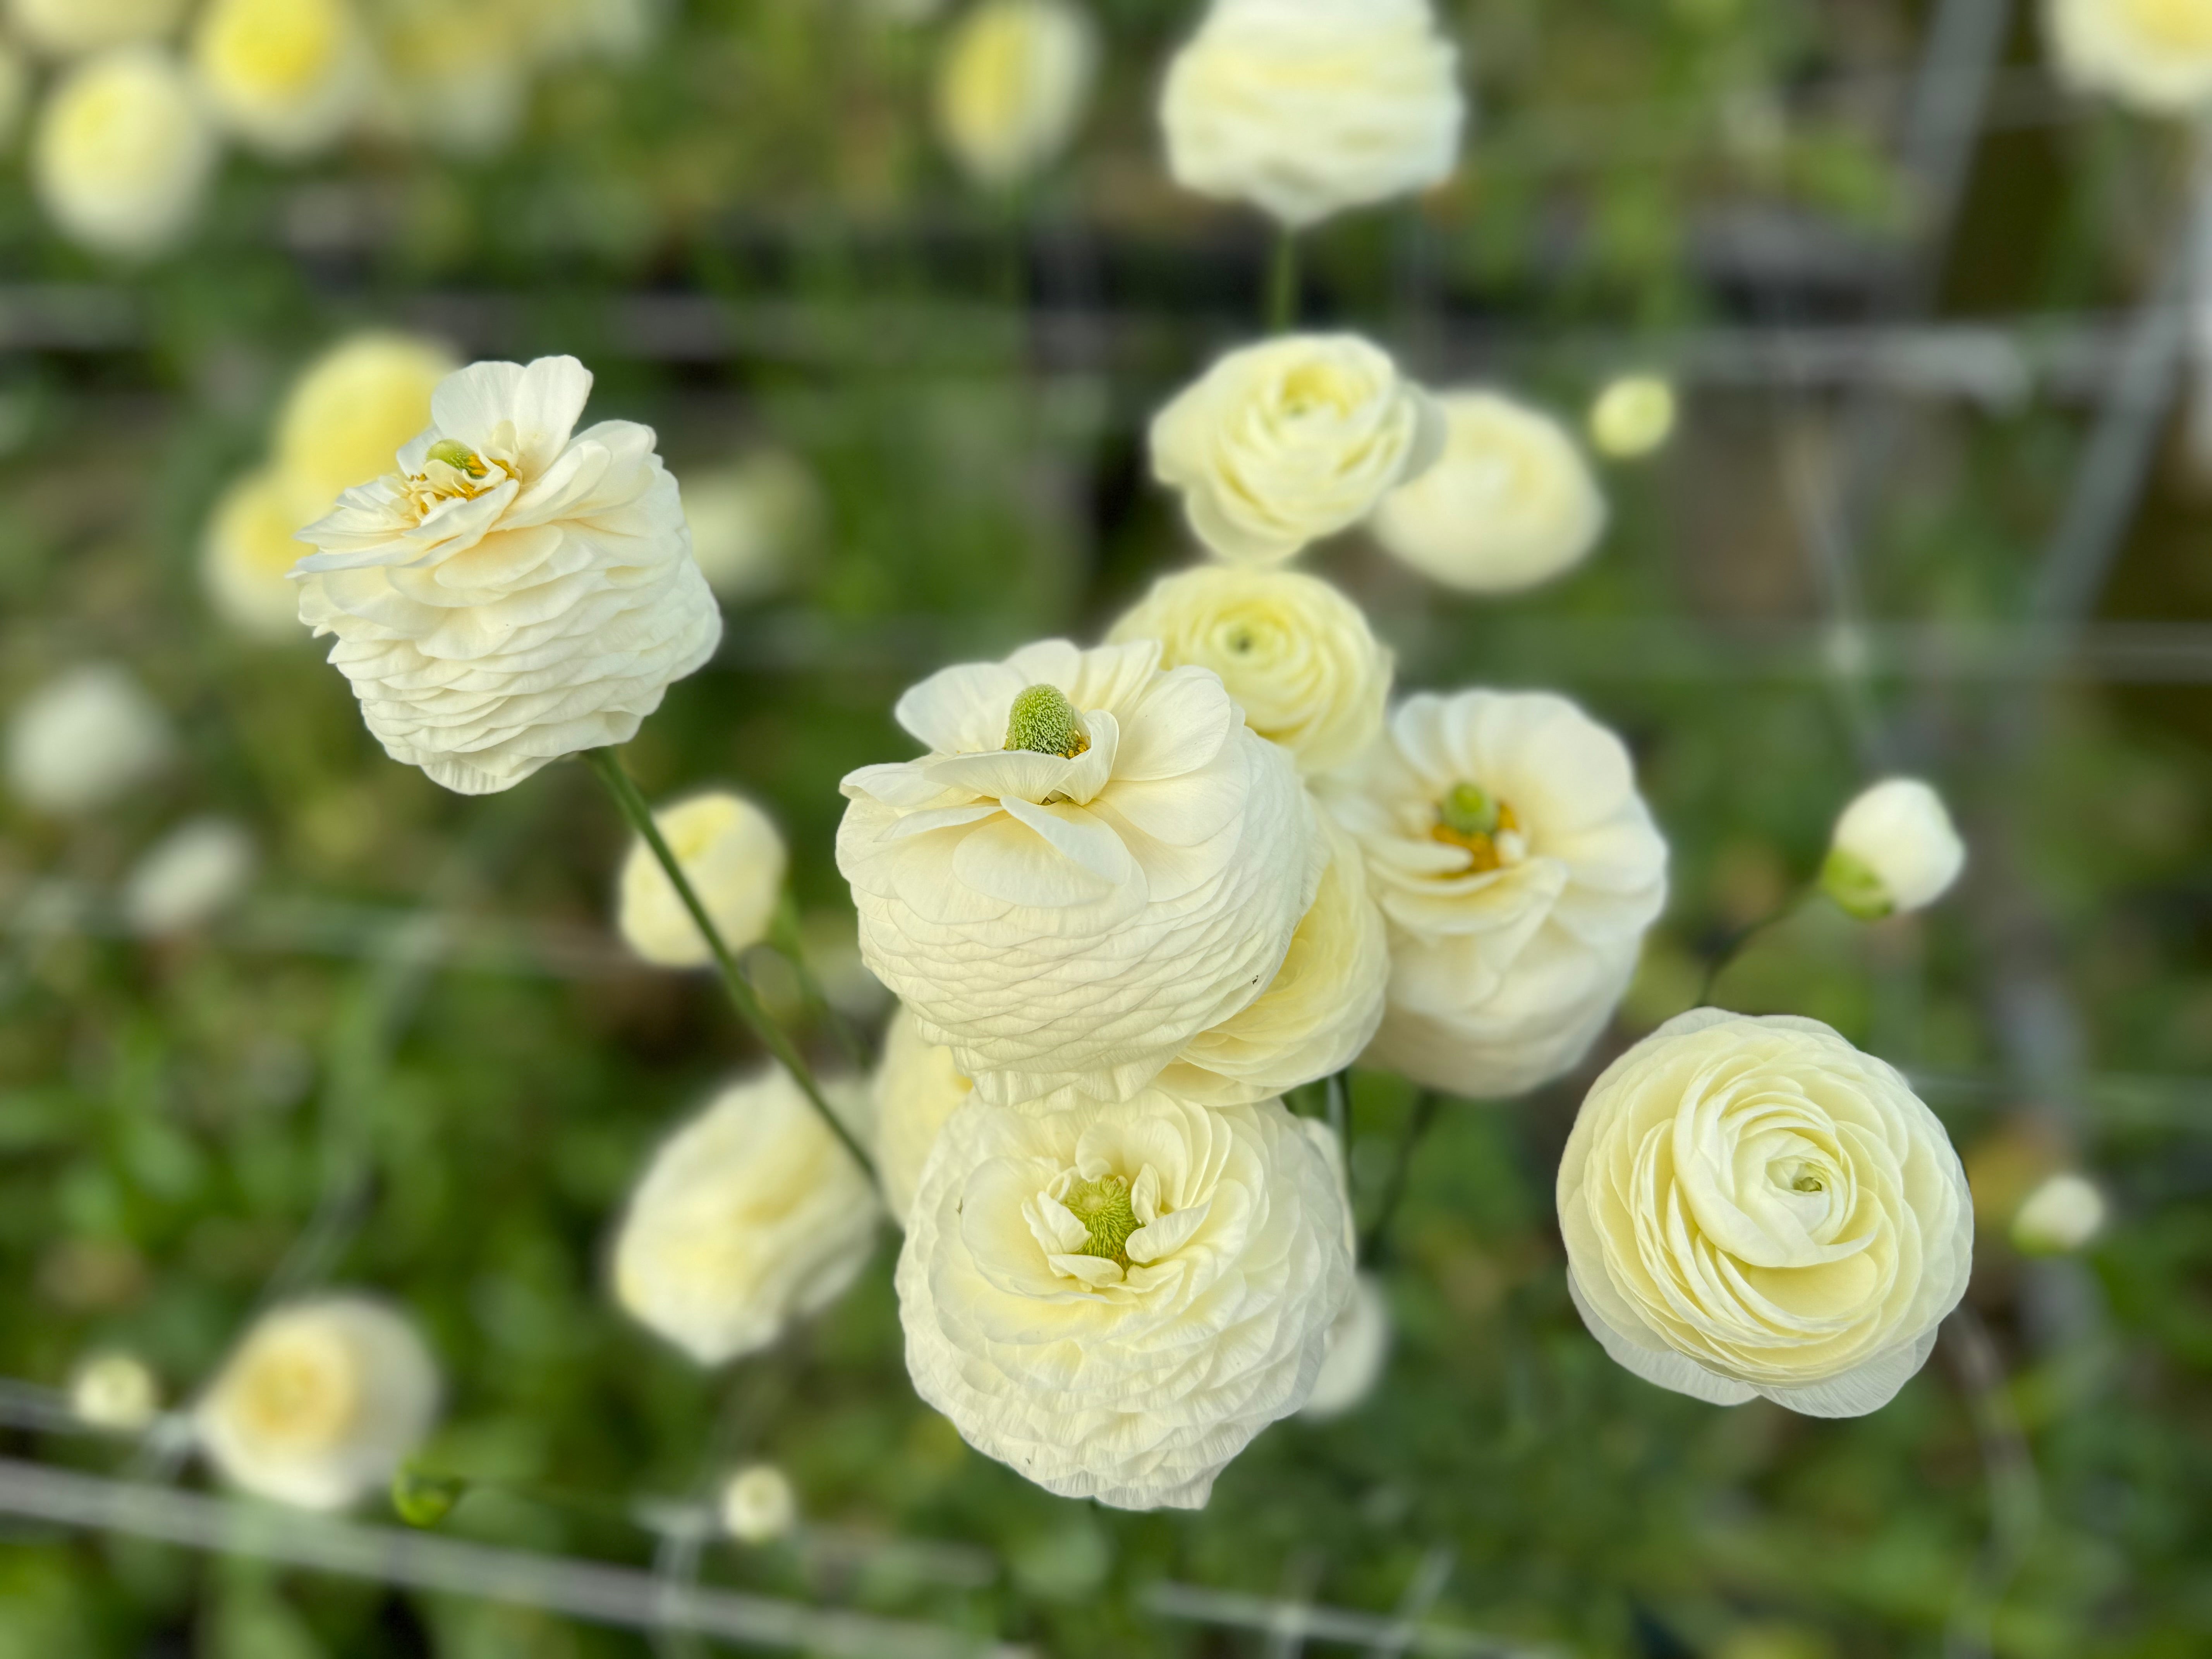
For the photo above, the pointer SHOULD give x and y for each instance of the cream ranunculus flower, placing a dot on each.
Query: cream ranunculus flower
(1012, 86)
(66, 27)
(1113, 1300)
(735, 861)
(512, 594)
(1359, 1348)
(750, 1216)
(752, 522)
(1518, 869)
(123, 152)
(85, 738)
(350, 411)
(1297, 655)
(1307, 107)
(918, 1086)
(2153, 55)
(189, 878)
(467, 99)
(1753, 1206)
(320, 1403)
(2065, 1213)
(1632, 415)
(1097, 860)
(246, 555)
(288, 76)
(115, 1392)
(1894, 850)
(1283, 443)
(759, 1505)
(1510, 502)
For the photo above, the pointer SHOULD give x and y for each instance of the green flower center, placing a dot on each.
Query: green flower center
(1102, 1206)
(1471, 817)
(1042, 721)
(460, 457)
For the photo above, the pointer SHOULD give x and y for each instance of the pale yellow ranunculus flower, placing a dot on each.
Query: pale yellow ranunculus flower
(2154, 55)
(1012, 86)
(454, 74)
(63, 28)
(734, 860)
(246, 552)
(123, 152)
(917, 1087)
(349, 414)
(288, 76)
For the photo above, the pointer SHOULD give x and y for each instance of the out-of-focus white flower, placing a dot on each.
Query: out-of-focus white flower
(1297, 655)
(1012, 84)
(1509, 503)
(467, 102)
(759, 1505)
(1319, 1012)
(192, 875)
(1518, 869)
(1358, 1346)
(246, 555)
(750, 1216)
(320, 1403)
(1113, 1300)
(2063, 1214)
(66, 27)
(286, 75)
(750, 522)
(2154, 55)
(118, 1392)
(15, 93)
(734, 859)
(1282, 443)
(1753, 1206)
(1096, 861)
(1632, 415)
(514, 593)
(123, 152)
(84, 738)
(1307, 107)
(1894, 850)
(350, 413)
(918, 1085)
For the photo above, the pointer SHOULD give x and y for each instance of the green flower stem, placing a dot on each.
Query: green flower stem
(783, 939)
(1374, 1248)
(747, 1004)
(1283, 283)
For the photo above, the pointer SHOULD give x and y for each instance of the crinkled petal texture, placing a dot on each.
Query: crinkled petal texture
(752, 1215)
(1753, 1206)
(2154, 55)
(1298, 657)
(1131, 1380)
(1508, 950)
(1306, 107)
(1283, 443)
(517, 591)
(1065, 923)
(917, 1087)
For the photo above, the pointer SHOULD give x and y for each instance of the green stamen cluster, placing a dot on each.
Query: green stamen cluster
(459, 456)
(1042, 721)
(1102, 1206)
(1468, 811)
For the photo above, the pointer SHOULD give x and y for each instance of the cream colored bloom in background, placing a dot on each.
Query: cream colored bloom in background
(514, 593)
(1631, 415)
(1012, 83)
(65, 27)
(735, 861)
(1894, 850)
(352, 409)
(1095, 862)
(2064, 1213)
(1297, 655)
(2154, 55)
(246, 555)
(320, 1403)
(85, 738)
(1508, 504)
(1753, 1206)
(288, 76)
(750, 1216)
(189, 878)
(1283, 443)
(117, 1392)
(1359, 1348)
(752, 521)
(918, 1085)
(1518, 869)
(1307, 107)
(467, 100)
(759, 1505)
(123, 152)
(1113, 1300)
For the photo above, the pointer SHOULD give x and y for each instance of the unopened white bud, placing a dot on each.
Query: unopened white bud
(1895, 849)
(1632, 415)
(116, 1392)
(2063, 1214)
(759, 1505)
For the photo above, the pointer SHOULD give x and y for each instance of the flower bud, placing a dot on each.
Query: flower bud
(423, 1499)
(759, 1505)
(83, 739)
(115, 1391)
(2063, 1215)
(192, 875)
(1894, 850)
(1358, 1347)
(1631, 417)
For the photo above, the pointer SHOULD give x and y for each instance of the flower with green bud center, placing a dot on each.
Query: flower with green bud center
(1850, 881)
(459, 456)
(1104, 1207)
(1470, 817)
(1043, 722)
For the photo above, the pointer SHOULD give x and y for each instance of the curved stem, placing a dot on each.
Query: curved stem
(1283, 283)
(747, 1004)
(784, 938)
(1373, 1247)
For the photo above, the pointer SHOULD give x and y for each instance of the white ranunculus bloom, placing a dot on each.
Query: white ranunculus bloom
(1113, 1300)
(1753, 1206)
(84, 738)
(350, 411)
(1358, 1346)
(735, 861)
(192, 875)
(117, 1392)
(1632, 415)
(1096, 860)
(1518, 868)
(2154, 55)
(752, 1215)
(1283, 443)
(517, 591)
(66, 27)
(1297, 655)
(1012, 86)
(320, 1403)
(759, 1505)
(288, 76)
(918, 1085)
(1894, 850)
(1319, 1012)
(246, 554)
(123, 152)
(1508, 504)
(2064, 1213)
(1307, 107)
(752, 521)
